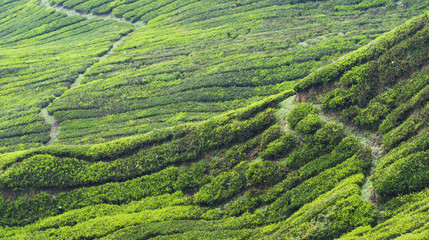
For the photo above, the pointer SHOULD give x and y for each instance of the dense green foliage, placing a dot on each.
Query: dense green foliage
(42, 52)
(299, 112)
(196, 59)
(187, 127)
(383, 87)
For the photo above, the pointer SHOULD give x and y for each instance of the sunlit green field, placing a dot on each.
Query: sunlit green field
(214, 119)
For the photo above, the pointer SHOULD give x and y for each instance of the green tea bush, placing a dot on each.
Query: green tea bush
(318, 144)
(279, 147)
(415, 123)
(221, 188)
(406, 175)
(407, 224)
(299, 112)
(402, 202)
(330, 215)
(270, 135)
(310, 124)
(193, 177)
(264, 173)
(404, 110)
(307, 191)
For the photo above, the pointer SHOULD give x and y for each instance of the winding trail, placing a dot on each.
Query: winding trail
(50, 119)
(367, 139)
(71, 12)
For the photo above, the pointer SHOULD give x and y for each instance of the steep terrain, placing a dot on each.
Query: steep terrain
(231, 119)
(191, 61)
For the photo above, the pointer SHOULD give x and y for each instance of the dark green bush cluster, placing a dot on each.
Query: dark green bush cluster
(299, 112)
(372, 51)
(221, 188)
(344, 150)
(398, 115)
(264, 173)
(310, 189)
(410, 127)
(279, 147)
(405, 169)
(322, 142)
(410, 223)
(403, 202)
(270, 135)
(310, 124)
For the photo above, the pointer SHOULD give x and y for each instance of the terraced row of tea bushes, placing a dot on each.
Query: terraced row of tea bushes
(48, 171)
(191, 63)
(27, 209)
(98, 152)
(388, 93)
(73, 217)
(410, 223)
(402, 202)
(334, 153)
(399, 61)
(43, 52)
(384, 87)
(370, 52)
(329, 216)
(159, 216)
(39, 168)
(404, 169)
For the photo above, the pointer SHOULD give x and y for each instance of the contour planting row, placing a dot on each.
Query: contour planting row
(43, 53)
(203, 61)
(245, 166)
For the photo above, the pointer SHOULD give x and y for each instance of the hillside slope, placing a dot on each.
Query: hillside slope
(344, 156)
(95, 78)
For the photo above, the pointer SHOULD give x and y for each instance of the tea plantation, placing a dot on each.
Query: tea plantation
(142, 119)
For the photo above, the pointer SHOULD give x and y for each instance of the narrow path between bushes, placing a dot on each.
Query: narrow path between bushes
(50, 119)
(71, 12)
(367, 139)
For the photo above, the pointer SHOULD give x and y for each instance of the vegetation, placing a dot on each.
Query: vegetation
(215, 120)
(194, 60)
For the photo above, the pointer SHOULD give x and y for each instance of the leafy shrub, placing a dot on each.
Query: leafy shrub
(264, 173)
(322, 142)
(407, 129)
(192, 177)
(299, 112)
(309, 124)
(406, 175)
(279, 147)
(270, 135)
(309, 190)
(400, 114)
(328, 216)
(402, 202)
(220, 188)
